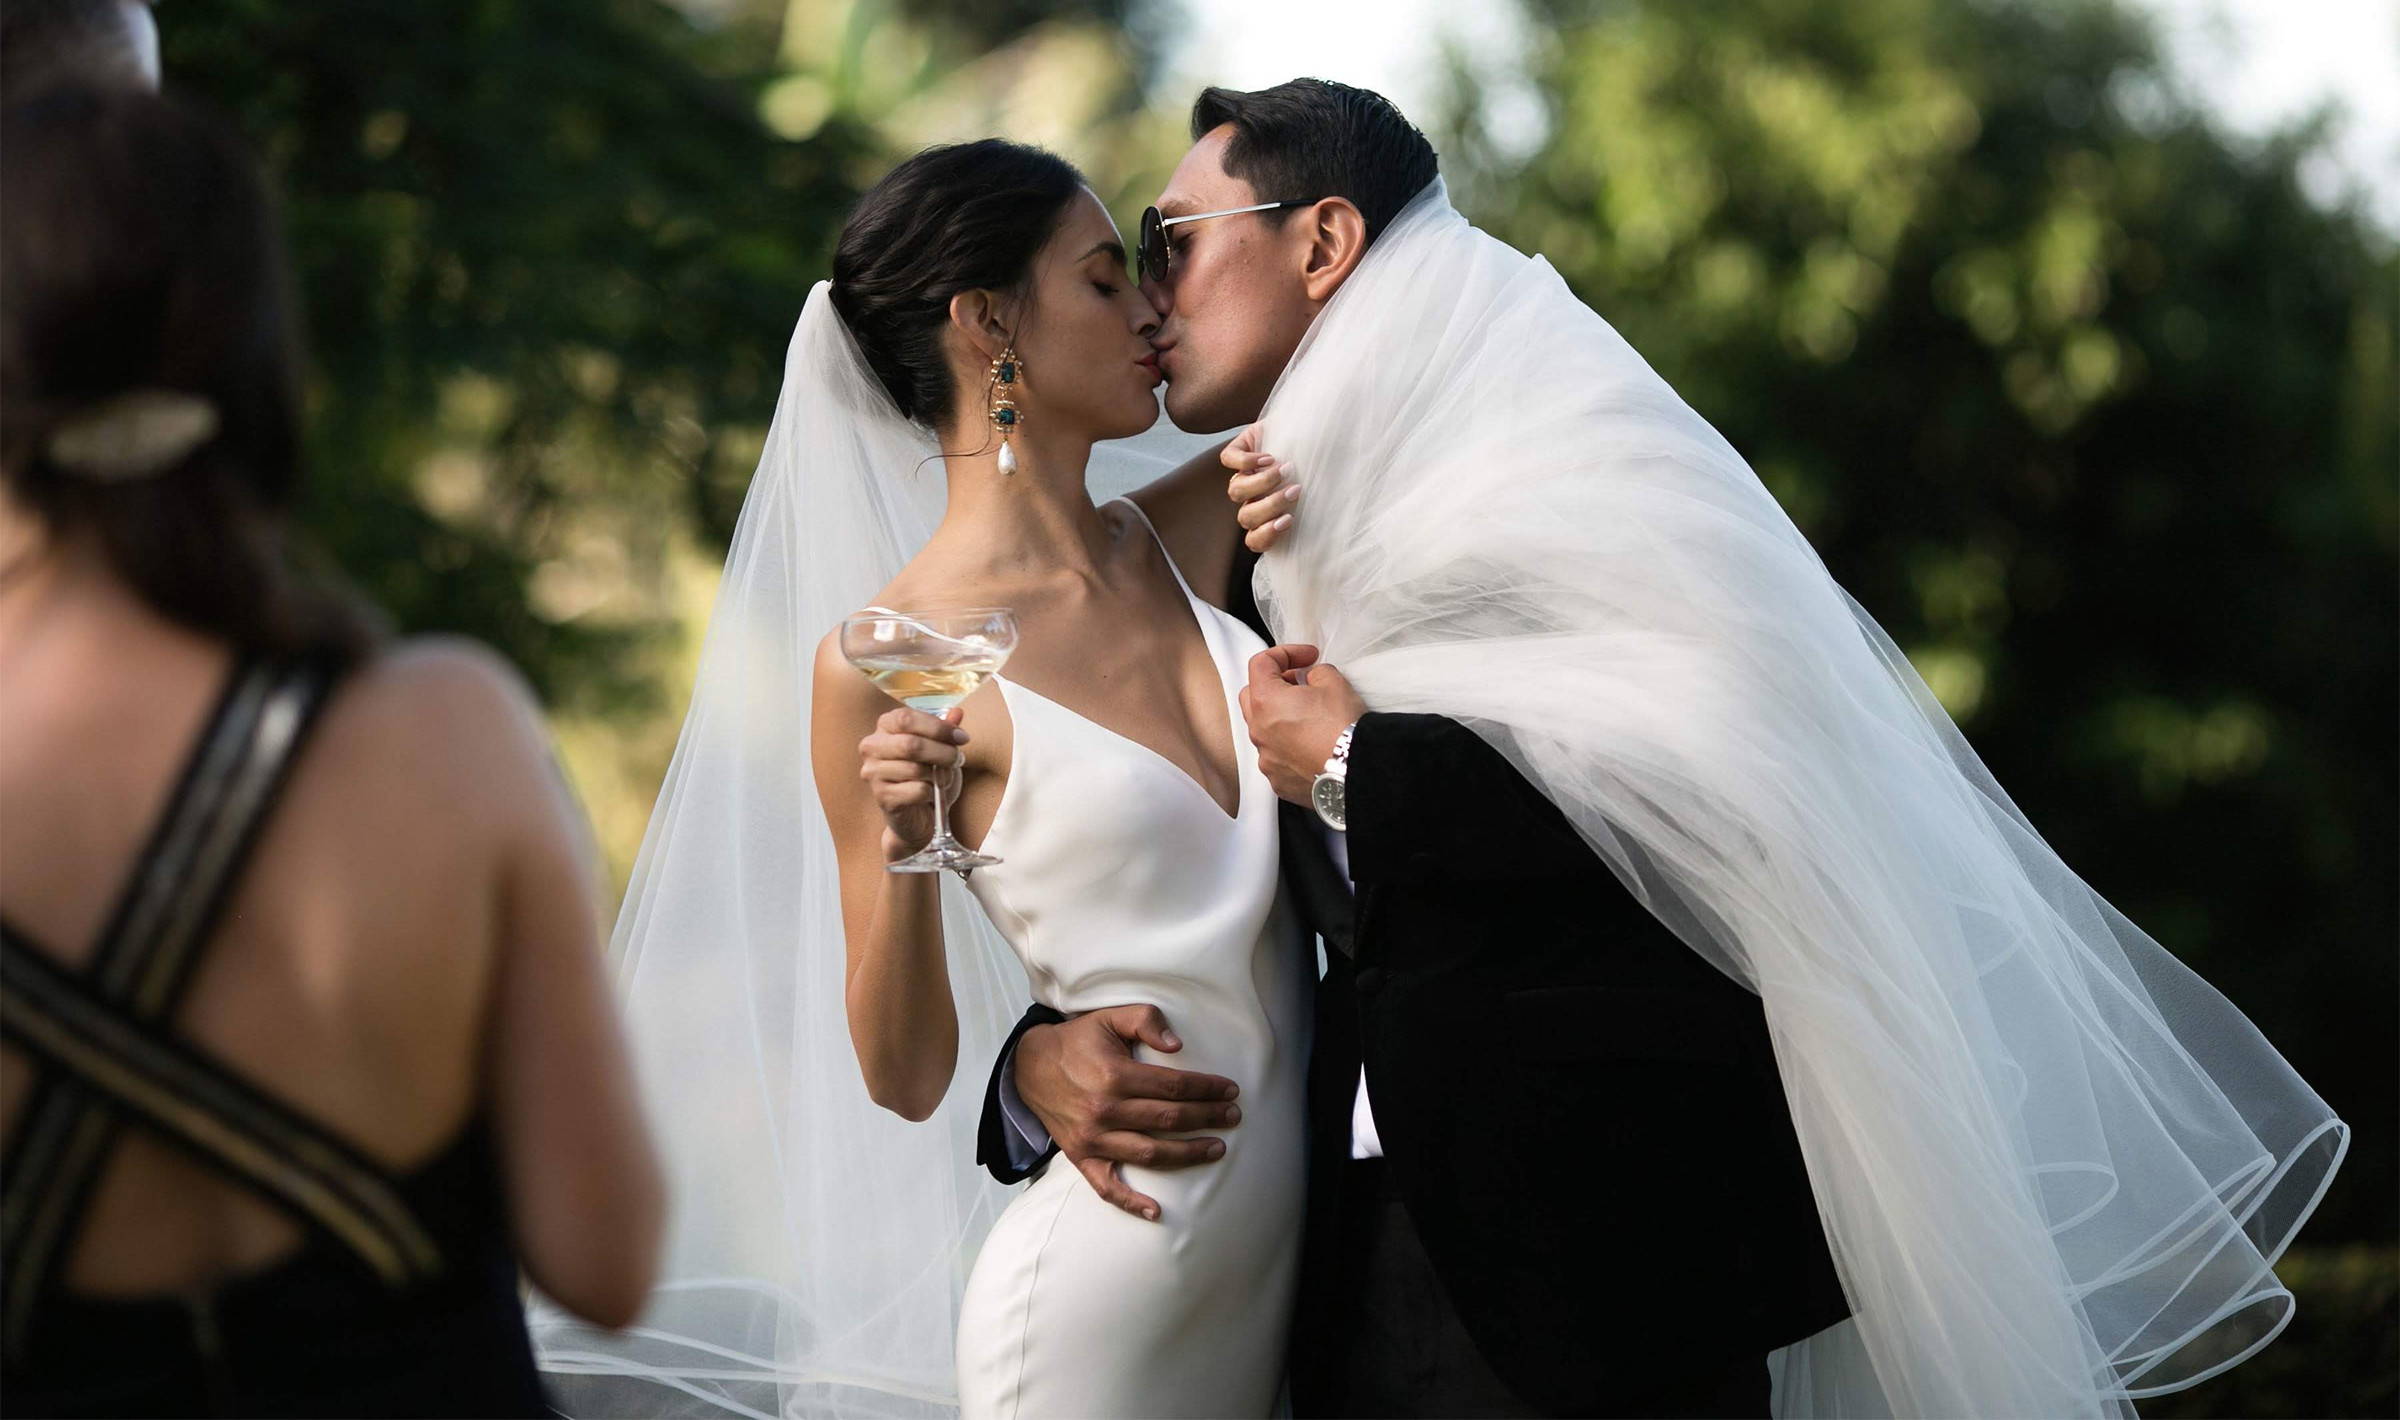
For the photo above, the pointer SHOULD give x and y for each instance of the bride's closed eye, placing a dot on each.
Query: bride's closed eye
(1104, 288)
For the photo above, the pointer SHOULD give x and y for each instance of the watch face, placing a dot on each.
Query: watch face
(1329, 800)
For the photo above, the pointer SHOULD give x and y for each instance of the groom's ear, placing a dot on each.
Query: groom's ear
(1337, 239)
(979, 317)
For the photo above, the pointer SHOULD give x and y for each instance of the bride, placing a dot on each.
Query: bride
(979, 300)
(1139, 840)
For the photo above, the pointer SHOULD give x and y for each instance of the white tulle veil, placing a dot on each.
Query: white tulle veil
(818, 1245)
(2054, 1165)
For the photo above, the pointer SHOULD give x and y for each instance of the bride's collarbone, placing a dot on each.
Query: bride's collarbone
(1149, 686)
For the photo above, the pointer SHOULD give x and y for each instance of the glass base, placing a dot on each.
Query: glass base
(943, 854)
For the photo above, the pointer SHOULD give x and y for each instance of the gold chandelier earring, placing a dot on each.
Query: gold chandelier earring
(1007, 372)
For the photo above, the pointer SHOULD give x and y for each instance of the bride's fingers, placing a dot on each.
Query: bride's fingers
(1242, 452)
(1259, 512)
(914, 795)
(1258, 483)
(897, 771)
(1103, 1177)
(903, 721)
(1261, 538)
(909, 748)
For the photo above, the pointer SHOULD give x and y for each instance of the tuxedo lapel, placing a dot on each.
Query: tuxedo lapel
(1316, 884)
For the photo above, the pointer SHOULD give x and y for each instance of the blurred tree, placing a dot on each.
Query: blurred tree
(2085, 401)
(546, 252)
(549, 253)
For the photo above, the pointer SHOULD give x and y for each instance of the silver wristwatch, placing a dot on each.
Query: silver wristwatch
(1327, 794)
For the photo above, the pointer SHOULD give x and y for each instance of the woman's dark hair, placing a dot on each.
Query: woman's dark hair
(961, 217)
(1310, 139)
(141, 253)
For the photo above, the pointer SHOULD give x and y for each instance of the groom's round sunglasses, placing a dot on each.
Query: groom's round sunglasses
(1153, 257)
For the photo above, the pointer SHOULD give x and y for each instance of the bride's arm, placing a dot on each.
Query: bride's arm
(1195, 521)
(1219, 511)
(872, 761)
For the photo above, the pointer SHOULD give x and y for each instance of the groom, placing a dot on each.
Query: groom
(1552, 1171)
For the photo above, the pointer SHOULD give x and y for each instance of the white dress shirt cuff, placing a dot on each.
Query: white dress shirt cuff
(1027, 1139)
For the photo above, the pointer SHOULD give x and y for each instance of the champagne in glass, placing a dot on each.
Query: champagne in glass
(931, 661)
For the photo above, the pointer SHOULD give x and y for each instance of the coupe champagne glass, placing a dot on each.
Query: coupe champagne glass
(930, 661)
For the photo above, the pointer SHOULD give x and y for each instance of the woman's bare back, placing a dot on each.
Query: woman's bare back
(353, 972)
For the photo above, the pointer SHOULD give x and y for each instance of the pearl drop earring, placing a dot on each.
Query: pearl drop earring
(1006, 371)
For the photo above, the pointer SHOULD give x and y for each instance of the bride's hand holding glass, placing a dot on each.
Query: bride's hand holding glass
(909, 753)
(915, 762)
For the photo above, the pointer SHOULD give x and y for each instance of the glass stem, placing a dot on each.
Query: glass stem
(941, 816)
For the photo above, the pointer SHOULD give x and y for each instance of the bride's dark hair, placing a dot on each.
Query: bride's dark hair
(960, 217)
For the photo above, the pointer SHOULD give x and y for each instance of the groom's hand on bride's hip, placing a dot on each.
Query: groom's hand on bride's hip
(1297, 708)
(1105, 1108)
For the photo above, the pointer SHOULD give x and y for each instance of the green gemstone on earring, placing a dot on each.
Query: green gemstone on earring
(1008, 372)
(1007, 417)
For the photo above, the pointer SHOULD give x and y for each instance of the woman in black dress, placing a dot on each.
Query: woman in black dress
(306, 1043)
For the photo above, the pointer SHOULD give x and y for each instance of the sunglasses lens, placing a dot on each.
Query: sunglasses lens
(1153, 252)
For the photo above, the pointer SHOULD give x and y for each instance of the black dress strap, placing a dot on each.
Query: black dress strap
(39, 1136)
(145, 959)
(210, 1112)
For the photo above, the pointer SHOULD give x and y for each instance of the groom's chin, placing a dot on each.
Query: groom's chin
(1194, 413)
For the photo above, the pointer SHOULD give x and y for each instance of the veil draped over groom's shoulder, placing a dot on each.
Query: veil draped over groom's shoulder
(2054, 1165)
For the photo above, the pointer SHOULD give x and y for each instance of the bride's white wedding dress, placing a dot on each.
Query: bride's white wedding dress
(1126, 882)
(820, 1248)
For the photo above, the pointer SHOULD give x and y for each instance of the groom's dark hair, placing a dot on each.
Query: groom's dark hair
(1312, 138)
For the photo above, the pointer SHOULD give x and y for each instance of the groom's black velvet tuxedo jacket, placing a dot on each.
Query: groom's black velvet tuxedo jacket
(1582, 1117)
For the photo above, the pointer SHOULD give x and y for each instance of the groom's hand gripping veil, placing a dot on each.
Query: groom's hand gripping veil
(1297, 709)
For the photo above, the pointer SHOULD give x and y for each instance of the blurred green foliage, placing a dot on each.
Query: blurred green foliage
(549, 254)
(544, 249)
(2085, 400)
